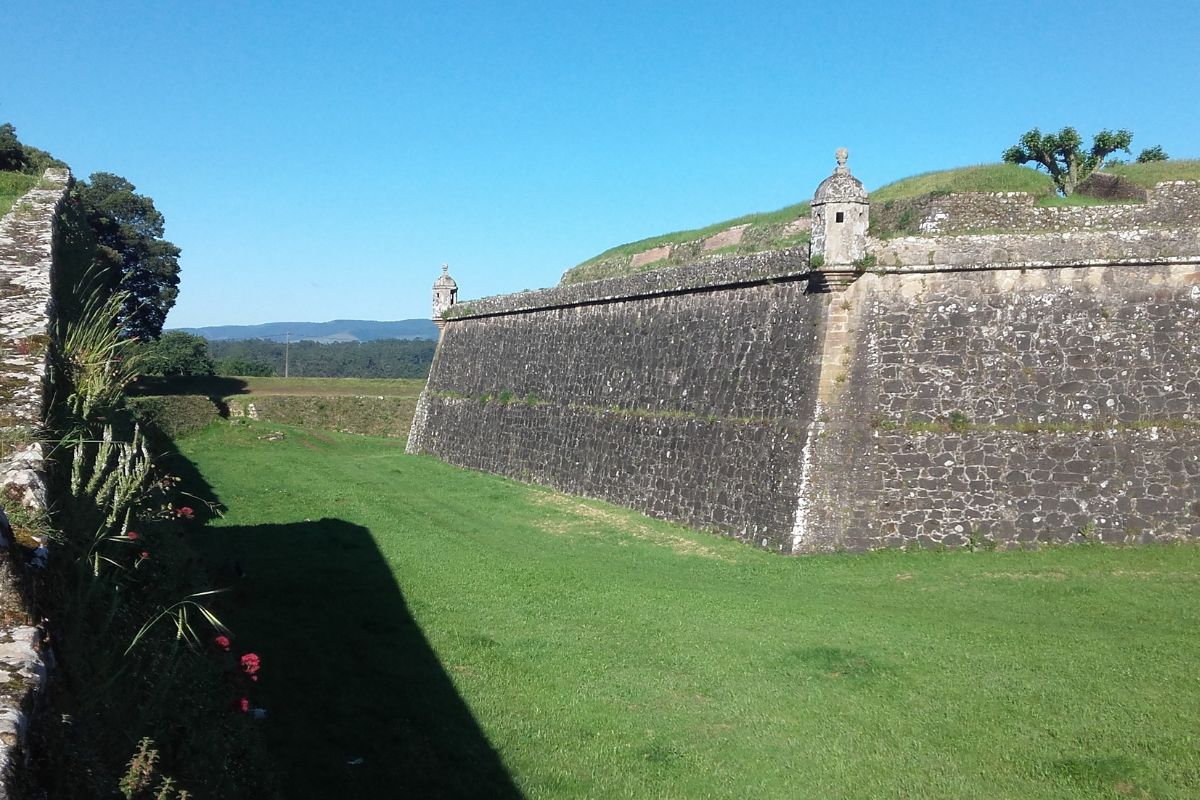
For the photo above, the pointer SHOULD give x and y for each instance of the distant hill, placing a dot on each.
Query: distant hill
(338, 330)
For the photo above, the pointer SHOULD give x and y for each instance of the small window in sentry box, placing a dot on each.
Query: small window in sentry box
(841, 217)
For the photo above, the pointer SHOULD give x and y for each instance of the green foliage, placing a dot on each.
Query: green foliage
(18, 157)
(382, 358)
(562, 634)
(1150, 154)
(175, 353)
(93, 364)
(130, 251)
(174, 415)
(245, 367)
(1061, 154)
(865, 263)
(12, 155)
(122, 592)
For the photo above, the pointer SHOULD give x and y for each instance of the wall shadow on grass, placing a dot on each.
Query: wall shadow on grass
(358, 704)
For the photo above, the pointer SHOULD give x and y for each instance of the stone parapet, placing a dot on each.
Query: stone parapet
(1172, 204)
(707, 273)
(26, 263)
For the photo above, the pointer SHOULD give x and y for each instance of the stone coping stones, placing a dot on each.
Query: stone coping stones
(789, 264)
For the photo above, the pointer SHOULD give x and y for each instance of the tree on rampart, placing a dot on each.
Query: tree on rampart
(1061, 153)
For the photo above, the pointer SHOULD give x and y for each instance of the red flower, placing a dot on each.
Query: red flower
(185, 512)
(131, 535)
(250, 663)
(243, 705)
(145, 554)
(222, 642)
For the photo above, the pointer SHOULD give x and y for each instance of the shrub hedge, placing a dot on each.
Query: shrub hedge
(174, 415)
(372, 416)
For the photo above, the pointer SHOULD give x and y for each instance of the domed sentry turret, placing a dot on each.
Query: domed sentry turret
(840, 215)
(445, 294)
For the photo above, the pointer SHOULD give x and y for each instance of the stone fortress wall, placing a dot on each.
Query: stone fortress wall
(1015, 373)
(26, 313)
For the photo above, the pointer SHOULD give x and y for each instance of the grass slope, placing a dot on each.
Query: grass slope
(465, 635)
(12, 186)
(1155, 171)
(978, 178)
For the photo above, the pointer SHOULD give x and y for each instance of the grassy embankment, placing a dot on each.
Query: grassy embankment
(428, 631)
(378, 407)
(12, 186)
(1153, 172)
(765, 229)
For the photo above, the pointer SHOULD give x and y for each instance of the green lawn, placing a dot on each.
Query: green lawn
(465, 635)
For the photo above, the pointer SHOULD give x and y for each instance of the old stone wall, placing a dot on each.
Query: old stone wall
(26, 260)
(989, 251)
(693, 405)
(1172, 204)
(1049, 405)
(1037, 382)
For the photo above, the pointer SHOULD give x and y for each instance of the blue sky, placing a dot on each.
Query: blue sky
(321, 160)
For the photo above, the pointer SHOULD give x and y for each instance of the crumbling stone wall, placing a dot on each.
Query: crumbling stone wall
(26, 259)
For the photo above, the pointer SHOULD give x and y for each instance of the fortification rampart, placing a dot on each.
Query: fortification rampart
(685, 406)
(995, 387)
(1171, 204)
(26, 263)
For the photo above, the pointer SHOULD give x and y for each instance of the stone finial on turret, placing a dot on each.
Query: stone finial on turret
(840, 215)
(445, 294)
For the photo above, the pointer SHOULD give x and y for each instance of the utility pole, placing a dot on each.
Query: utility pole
(287, 347)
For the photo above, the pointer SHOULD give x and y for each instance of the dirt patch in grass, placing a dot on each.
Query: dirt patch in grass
(1027, 576)
(581, 518)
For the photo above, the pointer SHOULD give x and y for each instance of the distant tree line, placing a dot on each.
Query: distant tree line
(179, 353)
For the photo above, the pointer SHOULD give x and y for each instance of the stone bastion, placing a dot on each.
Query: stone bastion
(1012, 374)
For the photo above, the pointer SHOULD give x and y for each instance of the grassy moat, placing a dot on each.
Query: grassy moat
(432, 632)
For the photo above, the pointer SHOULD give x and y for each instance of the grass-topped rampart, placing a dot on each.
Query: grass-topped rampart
(896, 208)
(764, 231)
(1154, 172)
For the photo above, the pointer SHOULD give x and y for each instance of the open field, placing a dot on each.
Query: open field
(427, 632)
